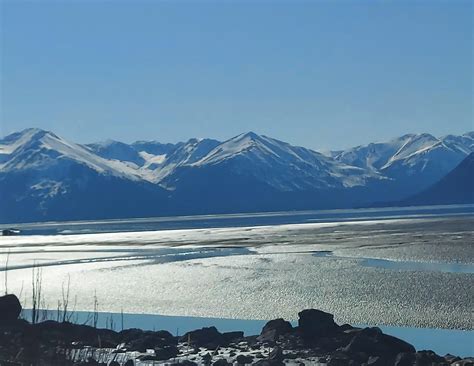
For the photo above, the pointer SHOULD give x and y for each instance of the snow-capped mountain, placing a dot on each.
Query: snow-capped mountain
(152, 160)
(116, 150)
(413, 161)
(46, 153)
(406, 149)
(183, 154)
(372, 156)
(281, 165)
(154, 147)
(43, 176)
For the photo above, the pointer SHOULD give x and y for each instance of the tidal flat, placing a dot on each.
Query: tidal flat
(408, 272)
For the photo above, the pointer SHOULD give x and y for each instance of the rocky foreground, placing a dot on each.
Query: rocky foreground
(317, 340)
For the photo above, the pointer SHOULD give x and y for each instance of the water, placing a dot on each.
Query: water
(405, 265)
(406, 269)
(237, 220)
(418, 266)
(441, 341)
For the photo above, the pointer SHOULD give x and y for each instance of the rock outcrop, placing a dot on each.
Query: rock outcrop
(10, 309)
(316, 323)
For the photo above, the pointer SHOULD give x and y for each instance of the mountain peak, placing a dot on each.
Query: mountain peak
(251, 134)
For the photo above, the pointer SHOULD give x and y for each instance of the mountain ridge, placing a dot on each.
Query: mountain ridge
(41, 172)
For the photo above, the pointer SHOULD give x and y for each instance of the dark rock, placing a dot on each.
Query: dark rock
(276, 354)
(206, 358)
(427, 358)
(139, 340)
(244, 360)
(209, 338)
(221, 362)
(185, 363)
(314, 323)
(451, 358)
(375, 361)
(405, 359)
(345, 327)
(91, 362)
(10, 309)
(268, 363)
(166, 352)
(232, 336)
(464, 362)
(290, 356)
(147, 341)
(331, 343)
(274, 329)
(68, 332)
(146, 358)
(339, 359)
(373, 342)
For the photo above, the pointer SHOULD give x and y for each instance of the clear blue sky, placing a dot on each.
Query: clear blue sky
(318, 74)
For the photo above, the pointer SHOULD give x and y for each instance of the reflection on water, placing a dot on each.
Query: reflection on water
(418, 266)
(146, 257)
(262, 272)
(404, 265)
(442, 341)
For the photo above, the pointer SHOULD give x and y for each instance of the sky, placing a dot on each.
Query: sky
(320, 74)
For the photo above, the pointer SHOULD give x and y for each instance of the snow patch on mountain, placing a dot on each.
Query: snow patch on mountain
(414, 151)
(282, 165)
(35, 149)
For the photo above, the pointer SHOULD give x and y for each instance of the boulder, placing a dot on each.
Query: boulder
(147, 341)
(10, 309)
(221, 362)
(206, 358)
(134, 337)
(209, 338)
(69, 332)
(274, 329)
(244, 360)
(427, 358)
(314, 323)
(233, 336)
(373, 342)
(338, 361)
(276, 354)
(269, 363)
(405, 359)
(166, 352)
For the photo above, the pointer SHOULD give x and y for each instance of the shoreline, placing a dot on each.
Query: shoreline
(315, 340)
(244, 220)
(440, 340)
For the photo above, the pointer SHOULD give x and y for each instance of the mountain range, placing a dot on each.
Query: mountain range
(45, 177)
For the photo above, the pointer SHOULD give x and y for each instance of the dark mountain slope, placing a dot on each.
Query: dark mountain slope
(457, 187)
